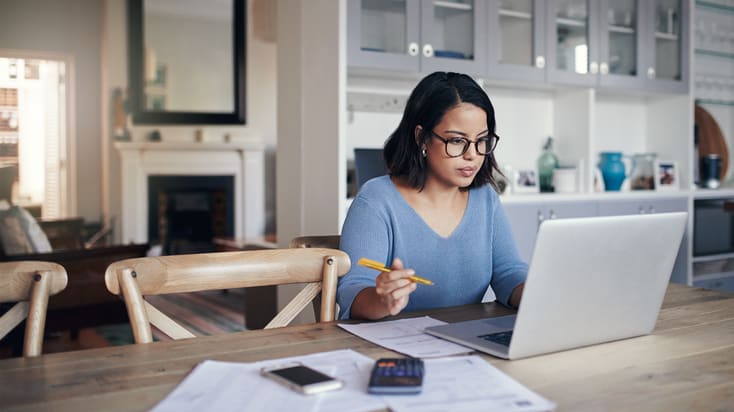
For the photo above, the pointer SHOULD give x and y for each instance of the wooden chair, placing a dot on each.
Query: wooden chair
(327, 241)
(319, 268)
(29, 283)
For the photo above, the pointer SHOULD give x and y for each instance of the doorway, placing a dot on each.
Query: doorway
(33, 131)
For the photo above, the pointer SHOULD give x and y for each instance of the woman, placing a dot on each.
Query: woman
(435, 214)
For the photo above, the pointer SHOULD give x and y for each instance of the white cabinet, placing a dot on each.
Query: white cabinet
(643, 206)
(655, 205)
(517, 49)
(417, 36)
(526, 218)
(630, 44)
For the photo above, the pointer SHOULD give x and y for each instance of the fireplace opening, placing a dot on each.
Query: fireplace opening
(186, 213)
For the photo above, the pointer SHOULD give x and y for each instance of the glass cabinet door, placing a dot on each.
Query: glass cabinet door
(383, 34)
(621, 43)
(453, 36)
(516, 45)
(667, 66)
(572, 58)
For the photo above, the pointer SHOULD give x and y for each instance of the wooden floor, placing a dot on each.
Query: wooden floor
(205, 313)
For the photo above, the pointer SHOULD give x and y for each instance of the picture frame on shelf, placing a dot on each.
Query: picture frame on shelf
(525, 181)
(667, 176)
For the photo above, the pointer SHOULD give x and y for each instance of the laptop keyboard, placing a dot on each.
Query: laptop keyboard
(502, 338)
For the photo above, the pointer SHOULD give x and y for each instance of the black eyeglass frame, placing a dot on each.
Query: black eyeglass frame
(491, 142)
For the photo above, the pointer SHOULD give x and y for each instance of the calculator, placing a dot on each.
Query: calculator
(396, 376)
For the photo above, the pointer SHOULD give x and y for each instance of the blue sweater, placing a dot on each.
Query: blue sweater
(481, 251)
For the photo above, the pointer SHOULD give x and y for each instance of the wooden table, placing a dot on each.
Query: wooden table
(686, 364)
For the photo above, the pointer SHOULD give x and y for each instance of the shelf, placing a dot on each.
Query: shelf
(562, 21)
(712, 258)
(715, 102)
(451, 5)
(714, 53)
(621, 29)
(715, 7)
(712, 276)
(666, 36)
(720, 193)
(516, 14)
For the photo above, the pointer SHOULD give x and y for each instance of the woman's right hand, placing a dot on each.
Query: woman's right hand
(394, 288)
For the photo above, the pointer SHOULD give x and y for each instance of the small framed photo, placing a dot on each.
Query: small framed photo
(525, 181)
(666, 175)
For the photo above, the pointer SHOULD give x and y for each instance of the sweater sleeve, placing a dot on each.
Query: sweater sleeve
(508, 268)
(365, 234)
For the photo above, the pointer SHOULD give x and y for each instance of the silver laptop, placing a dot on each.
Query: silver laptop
(591, 280)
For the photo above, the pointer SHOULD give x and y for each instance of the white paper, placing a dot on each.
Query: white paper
(468, 383)
(406, 336)
(229, 386)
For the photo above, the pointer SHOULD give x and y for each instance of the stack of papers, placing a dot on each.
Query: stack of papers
(459, 383)
(451, 383)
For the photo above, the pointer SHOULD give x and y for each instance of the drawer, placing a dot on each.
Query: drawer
(725, 284)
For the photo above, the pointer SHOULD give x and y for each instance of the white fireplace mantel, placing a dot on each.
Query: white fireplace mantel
(243, 160)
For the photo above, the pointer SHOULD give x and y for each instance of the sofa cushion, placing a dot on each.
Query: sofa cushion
(20, 233)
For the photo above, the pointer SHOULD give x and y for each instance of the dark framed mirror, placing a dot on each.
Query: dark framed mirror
(187, 61)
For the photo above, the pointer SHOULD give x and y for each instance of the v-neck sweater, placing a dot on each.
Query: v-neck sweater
(479, 253)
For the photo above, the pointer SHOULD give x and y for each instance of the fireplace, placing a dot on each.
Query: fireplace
(213, 174)
(185, 213)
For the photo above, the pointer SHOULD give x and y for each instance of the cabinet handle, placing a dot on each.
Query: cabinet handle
(413, 49)
(650, 72)
(552, 215)
(593, 67)
(642, 210)
(604, 68)
(540, 62)
(428, 50)
(651, 209)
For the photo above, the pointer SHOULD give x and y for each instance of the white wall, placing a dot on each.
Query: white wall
(94, 33)
(311, 117)
(260, 103)
(69, 27)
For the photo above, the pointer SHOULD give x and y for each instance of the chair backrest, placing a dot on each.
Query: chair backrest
(29, 283)
(325, 241)
(319, 268)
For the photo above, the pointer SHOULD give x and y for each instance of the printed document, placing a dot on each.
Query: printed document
(230, 386)
(456, 384)
(406, 336)
(468, 383)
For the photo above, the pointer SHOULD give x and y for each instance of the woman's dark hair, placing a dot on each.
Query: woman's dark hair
(435, 95)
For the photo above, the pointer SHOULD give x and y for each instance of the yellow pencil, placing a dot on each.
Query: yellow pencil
(369, 263)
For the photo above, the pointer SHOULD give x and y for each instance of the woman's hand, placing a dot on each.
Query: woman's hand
(394, 288)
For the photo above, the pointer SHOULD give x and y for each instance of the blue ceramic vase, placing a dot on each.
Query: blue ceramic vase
(612, 170)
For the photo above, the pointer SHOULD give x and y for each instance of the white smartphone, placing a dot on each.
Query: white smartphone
(301, 378)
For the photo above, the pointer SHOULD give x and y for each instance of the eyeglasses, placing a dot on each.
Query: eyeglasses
(457, 146)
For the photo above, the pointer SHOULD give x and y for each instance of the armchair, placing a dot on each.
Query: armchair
(85, 302)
